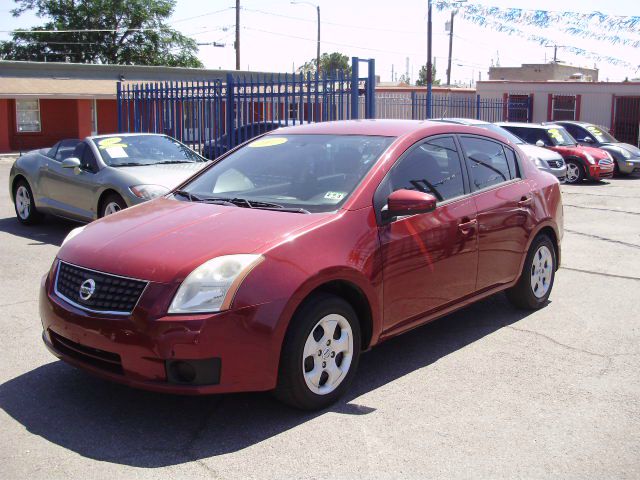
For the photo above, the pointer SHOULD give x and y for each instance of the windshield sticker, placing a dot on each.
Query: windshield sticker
(555, 133)
(594, 130)
(111, 142)
(116, 151)
(336, 196)
(268, 142)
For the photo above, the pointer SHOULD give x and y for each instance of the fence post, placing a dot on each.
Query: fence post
(119, 103)
(371, 90)
(478, 107)
(354, 87)
(413, 105)
(229, 111)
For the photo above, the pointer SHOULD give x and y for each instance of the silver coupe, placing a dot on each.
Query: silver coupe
(86, 179)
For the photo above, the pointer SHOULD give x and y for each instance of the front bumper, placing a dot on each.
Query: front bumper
(629, 165)
(598, 172)
(139, 350)
(560, 173)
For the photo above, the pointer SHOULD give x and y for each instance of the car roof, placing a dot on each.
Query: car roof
(385, 128)
(128, 134)
(573, 122)
(544, 126)
(462, 121)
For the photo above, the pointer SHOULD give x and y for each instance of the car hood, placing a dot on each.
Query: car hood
(169, 175)
(596, 153)
(164, 240)
(539, 152)
(634, 151)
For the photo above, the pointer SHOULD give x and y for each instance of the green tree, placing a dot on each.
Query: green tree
(422, 76)
(404, 78)
(122, 32)
(329, 63)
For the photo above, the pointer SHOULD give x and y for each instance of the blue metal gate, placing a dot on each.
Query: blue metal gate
(215, 116)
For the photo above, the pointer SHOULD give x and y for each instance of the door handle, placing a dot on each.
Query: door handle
(525, 202)
(466, 227)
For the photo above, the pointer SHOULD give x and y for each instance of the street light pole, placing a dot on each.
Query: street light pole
(237, 44)
(317, 7)
(429, 64)
(453, 14)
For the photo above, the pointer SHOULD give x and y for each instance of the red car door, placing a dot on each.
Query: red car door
(429, 260)
(504, 204)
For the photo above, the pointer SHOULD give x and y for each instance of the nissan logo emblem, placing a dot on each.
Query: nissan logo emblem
(87, 288)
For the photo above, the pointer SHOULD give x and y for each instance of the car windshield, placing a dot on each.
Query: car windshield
(601, 135)
(312, 173)
(558, 136)
(136, 150)
(501, 131)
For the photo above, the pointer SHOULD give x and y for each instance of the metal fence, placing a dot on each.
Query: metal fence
(214, 116)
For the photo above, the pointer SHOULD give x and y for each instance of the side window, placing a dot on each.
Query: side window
(512, 162)
(66, 149)
(88, 160)
(433, 167)
(487, 162)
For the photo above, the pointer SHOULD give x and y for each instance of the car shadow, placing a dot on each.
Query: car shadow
(50, 231)
(112, 423)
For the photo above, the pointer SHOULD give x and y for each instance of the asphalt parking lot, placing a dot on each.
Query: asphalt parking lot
(488, 392)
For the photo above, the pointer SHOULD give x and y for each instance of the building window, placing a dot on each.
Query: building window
(28, 115)
(564, 107)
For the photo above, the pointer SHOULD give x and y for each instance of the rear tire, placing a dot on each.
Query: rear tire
(538, 273)
(316, 368)
(575, 172)
(112, 203)
(25, 205)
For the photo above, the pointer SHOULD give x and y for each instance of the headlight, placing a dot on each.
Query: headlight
(625, 153)
(540, 163)
(211, 286)
(148, 191)
(589, 157)
(72, 234)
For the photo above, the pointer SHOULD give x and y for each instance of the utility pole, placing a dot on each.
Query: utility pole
(317, 7)
(453, 14)
(429, 64)
(237, 44)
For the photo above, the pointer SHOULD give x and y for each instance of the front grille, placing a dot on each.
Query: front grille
(605, 161)
(92, 356)
(111, 293)
(555, 163)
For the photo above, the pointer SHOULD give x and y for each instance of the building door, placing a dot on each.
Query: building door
(626, 125)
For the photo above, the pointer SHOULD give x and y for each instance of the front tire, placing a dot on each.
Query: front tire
(575, 172)
(538, 273)
(25, 205)
(112, 203)
(320, 353)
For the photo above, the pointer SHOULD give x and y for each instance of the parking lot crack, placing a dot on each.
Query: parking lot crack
(604, 274)
(560, 344)
(604, 239)
(602, 209)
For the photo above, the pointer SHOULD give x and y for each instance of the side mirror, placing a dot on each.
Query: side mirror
(587, 140)
(539, 143)
(72, 162)
(408, 202)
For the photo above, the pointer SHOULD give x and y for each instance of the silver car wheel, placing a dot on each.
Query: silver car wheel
(23, 202)
(573, 172)
(541, 271)
(325, 359)
(111, 207)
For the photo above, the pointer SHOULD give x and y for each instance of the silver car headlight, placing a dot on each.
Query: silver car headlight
(540, 163)
(623, 151)
(72, 234)
(212, 286)
(148, 191)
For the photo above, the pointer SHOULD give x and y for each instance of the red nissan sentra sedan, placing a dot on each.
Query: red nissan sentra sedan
(274, 268)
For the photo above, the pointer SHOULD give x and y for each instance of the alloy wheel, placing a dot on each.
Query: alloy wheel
(327, 354)
(541, 271)
(111, 207)
(23, 202)
(573, 172)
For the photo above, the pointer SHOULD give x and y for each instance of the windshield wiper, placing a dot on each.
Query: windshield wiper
(174, 161)
(243, 202)
(130, 164)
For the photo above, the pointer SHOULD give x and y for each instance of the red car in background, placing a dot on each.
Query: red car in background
(274, 268)
(582, 162)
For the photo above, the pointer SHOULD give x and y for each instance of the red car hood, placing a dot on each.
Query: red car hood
(164, 240)
(580, 150)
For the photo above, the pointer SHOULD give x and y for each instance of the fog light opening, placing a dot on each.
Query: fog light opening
(183, 371)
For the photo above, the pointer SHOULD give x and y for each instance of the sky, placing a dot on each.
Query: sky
(278, 36)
